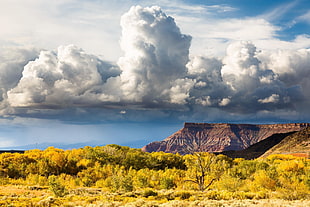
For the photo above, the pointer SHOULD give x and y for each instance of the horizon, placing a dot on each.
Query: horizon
(134, 144)
(134, 71)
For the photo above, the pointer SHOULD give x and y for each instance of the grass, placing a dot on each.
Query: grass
(19, 196)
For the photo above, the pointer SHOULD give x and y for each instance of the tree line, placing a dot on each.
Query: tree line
(122, 169)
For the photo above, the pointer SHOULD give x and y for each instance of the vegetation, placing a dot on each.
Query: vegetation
(119, 175)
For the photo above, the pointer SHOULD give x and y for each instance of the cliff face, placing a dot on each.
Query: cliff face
(219, 137)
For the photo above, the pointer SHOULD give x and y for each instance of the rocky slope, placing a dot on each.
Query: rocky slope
(258, 149)
(219, 137)
(297, 143)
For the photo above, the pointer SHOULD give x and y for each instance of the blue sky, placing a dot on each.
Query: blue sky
(123, 72)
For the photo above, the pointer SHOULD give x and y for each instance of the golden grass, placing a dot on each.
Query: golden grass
(20, 196)
(19, 190)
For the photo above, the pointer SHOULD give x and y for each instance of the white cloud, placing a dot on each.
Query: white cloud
(123, 112)
(292, 66)
(280, 11)
(92, 25)
(12, 61)
(241, 68)
(66, 77)
(224, 102)
(155, 54)
(212, 35)
(274, 98)
(180, 90)
(305, 17)
(274, 44)
(244, 77)
(205, 101)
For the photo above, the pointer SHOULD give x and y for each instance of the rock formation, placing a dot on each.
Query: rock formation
(219, 137)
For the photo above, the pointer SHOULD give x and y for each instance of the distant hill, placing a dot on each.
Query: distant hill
(297, 144)
(219, 137)
(65, 146)
(45, 145)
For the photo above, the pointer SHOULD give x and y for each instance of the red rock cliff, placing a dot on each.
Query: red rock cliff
(219, 137)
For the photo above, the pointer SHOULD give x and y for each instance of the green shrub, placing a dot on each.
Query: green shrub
(167, 183)
(184, 195)
(148, 193)
(127, 183)
(56, 187)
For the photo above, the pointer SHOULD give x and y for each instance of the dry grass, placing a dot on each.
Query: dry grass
(19, 196)
(239, 203)
(19, 190)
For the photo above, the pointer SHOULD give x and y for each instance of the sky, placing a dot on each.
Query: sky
(130, 72)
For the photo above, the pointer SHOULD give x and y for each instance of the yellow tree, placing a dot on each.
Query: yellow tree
(204, 168)
(57, 159)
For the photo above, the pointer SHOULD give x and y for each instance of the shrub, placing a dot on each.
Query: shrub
(35, 179)
(167, 183)
(56, 187)
(148, 193)
(184, 195)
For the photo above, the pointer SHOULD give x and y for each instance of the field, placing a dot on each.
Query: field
(39, 196)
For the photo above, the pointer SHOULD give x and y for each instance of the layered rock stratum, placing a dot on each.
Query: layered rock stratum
(219, 137)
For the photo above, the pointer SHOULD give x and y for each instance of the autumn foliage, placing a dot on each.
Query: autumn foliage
(123, 170)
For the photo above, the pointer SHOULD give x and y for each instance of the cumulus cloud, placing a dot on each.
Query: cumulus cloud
(292, 66)
(209, 87)
(242, 82)
(64, 78)
(151, 72)
(204, 101)
(155, 55)
(12, 61)
(274, 98)
(156, 75)
(224, 102)
(180, 90)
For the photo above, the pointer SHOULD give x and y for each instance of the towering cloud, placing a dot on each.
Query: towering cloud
(155, 55)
